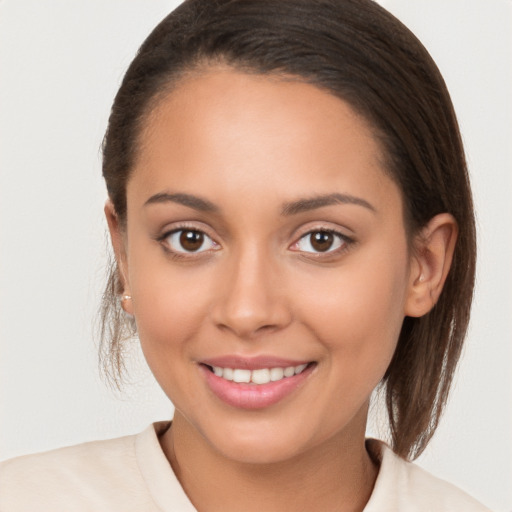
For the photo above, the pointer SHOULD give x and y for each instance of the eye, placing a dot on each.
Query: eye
(320, 241)
(189, 241)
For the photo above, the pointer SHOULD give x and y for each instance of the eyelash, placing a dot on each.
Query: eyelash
(344, 240)
(345, 243)
(181, 255)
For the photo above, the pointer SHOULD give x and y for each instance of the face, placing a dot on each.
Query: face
(266, 244)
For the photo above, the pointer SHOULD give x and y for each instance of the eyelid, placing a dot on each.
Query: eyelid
(205, 239)
(185, 226)
(191, 225)
(347, 241)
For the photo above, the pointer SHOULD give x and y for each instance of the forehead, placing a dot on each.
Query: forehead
(249, 132)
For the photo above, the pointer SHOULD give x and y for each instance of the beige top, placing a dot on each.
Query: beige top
(132, 474)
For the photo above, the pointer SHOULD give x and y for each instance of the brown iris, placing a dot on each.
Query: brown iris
(322, 241)
(191, 240)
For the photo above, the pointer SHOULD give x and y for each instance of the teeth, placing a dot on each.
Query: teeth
(241, 375)
(260, 376)
(300, 368)
(276, 374)
(289, 372)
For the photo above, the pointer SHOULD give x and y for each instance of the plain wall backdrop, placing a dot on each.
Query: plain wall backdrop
(61, 62)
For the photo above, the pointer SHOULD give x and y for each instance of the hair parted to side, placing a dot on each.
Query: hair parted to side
(357, 51)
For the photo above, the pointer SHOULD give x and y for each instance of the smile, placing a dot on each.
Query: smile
(261, 386)
(259, 376)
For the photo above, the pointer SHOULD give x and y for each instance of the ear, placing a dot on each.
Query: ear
(118, 244)
(431, 260)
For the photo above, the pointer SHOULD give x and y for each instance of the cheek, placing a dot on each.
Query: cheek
(358, 312)
(168, 310)
(169, 317)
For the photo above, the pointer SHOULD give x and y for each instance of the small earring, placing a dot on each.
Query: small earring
(123, 300)
(420, 279)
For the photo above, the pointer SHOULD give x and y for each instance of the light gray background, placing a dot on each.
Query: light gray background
(60, 65)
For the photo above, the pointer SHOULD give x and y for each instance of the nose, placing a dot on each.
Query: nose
(252, 297)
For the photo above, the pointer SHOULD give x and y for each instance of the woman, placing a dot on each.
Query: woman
(281, 181)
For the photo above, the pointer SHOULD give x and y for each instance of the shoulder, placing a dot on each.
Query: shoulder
(404, 486)
(99, 475)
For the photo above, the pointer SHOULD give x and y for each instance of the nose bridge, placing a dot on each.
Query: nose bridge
(251, 300)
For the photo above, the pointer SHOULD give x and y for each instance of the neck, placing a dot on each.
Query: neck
(335, 476)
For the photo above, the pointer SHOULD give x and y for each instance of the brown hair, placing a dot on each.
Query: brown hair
(359, 52)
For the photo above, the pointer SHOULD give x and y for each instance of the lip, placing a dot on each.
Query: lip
(253, 396)
(252, 363)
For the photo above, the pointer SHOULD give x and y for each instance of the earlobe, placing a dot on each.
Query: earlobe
(118, 244)
(431, 262)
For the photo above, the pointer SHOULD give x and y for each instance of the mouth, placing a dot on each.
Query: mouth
(259, 376)
(255, 388)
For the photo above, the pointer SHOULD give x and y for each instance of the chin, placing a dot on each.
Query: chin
(259, 452)
(259, 442)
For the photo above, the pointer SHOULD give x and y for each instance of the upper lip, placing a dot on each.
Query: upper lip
(253, 363)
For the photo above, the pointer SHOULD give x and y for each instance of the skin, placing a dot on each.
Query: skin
(250, 145)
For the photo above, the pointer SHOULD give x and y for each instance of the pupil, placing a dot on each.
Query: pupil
(322, 240)
(191, 240)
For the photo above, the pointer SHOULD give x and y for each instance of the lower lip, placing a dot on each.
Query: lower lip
(254, 396)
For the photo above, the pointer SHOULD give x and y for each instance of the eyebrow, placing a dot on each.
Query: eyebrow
(195, 202)
(292, 208)
(312, 203)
